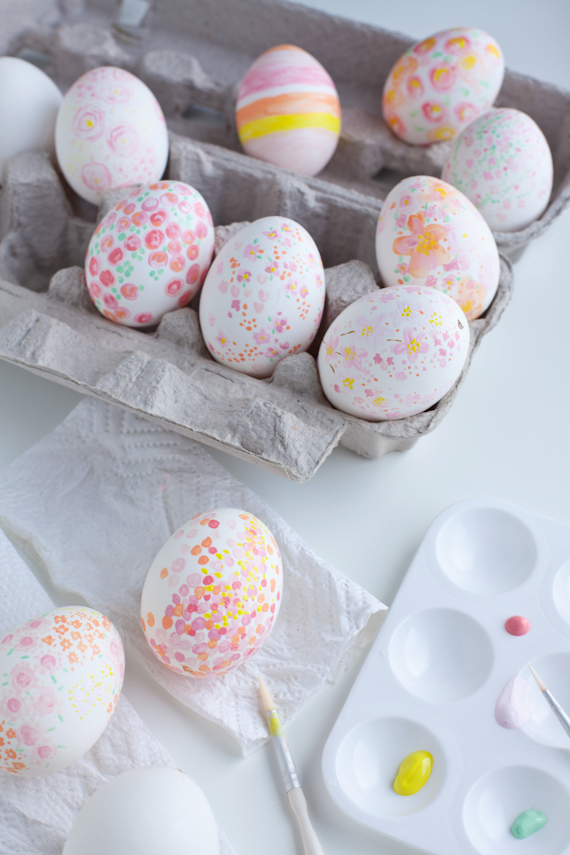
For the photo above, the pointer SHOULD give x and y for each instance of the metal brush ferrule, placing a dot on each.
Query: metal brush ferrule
(286, 763)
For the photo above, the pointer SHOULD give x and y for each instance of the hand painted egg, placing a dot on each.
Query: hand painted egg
(61, 677)
(149, 810)
(110, 132)
(150, 254)
(288, 112)
(430, 234)
(503, 164)
(29, 102)
(212, 593)
(441, 84)
(263, 297)
(393, 353)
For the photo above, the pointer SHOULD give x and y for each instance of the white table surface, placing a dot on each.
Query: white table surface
(507, 436)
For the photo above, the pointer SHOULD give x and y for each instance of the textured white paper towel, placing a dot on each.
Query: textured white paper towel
(94, 502)
(37, 813)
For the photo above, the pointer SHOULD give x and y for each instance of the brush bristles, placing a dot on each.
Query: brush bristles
(266, 698)
(539, 682)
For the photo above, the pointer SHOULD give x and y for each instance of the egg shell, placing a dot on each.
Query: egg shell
(430, 234)
(393, 353)
(110, 132)
(212, 593)
(150, 254)
(263, 297)
(441, 84)
(61, 677)
(149, 810)
(288, 111)
(29, 103)
(503, 164)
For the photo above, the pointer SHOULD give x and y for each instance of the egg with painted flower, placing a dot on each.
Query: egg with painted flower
(61, 677)
(441, 84)
(430, 234)
(110, 132)
(393, 353)
(263, 297)
(212, 593)
(150, 254)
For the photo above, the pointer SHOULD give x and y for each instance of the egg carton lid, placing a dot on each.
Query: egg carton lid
(284, 424)
(193, 61)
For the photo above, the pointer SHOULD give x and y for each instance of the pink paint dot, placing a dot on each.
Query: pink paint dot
(517, 625)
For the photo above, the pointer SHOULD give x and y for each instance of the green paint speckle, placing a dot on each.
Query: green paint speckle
(527, 823)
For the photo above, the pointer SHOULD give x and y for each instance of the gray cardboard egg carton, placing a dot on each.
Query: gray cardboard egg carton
(283, 424)
(193, 53)
(47, 321)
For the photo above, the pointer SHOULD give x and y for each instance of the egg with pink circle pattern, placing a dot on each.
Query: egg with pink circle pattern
(61, 676)
(263, 297)
(430, 234)
(150, 254)
(110, 132)
(393, 353)
(439, 85)
(503, 164)
(212, 593)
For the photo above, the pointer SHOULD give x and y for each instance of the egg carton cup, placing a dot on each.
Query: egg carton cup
(193, 55)
(433, 677)
(284, 424)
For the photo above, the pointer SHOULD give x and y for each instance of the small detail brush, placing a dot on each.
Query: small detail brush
(552, 702)
(290, 778)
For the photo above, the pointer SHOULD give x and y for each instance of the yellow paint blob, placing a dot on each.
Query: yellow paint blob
(413, 773)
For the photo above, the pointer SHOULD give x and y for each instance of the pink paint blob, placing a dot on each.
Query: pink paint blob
(517, 625)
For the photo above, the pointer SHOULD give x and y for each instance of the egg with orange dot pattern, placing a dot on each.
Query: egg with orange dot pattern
(212, 593)
(263, 297)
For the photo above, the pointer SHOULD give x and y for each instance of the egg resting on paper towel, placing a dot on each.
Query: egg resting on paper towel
(150, 254)
(29, 103)
(430, 234)
(61, 677)
(263, 297)
(212, 593)
(288, 111)
(393, 353)
(503, 164)
(110, 132)
(145, 811)
(441, 84)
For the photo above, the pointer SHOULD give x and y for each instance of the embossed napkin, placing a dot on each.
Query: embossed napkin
(94, 502)
(37, 813)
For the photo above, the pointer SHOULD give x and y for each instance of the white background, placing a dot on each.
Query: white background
(507, 436)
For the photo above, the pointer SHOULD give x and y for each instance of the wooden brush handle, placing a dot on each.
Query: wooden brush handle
(298, 802)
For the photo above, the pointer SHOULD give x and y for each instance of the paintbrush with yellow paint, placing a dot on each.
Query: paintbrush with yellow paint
(288, 771)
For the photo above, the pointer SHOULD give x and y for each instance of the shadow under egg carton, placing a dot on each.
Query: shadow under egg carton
(49, 325)
(432, 679)
(193, 55)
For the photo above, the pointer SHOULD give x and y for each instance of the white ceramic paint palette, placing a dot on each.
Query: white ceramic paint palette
(432, 679)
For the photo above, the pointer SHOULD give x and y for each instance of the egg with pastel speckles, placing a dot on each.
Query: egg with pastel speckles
(393, 353)
(212, 593)
(503, 164)
(430, 234)
(441, 84)
(150, 254)
(263, 297)
(61, 675)
(288, 111)
(110, 132)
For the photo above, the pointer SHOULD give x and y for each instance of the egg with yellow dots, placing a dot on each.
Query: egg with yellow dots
(213, 593)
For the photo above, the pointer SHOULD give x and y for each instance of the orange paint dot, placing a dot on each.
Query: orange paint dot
(265, 607)
(212, 643)
(150, 619)
(178, 609)
(202, 656)
(207, 542)
(167, 622)
(163, 573)
(272, 585)
(209, 624)
(203, 559)
(241, 630)
(196, 550)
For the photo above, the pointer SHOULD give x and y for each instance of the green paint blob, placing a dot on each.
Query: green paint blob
(527, 823)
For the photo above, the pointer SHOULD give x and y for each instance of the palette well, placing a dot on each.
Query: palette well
(433, 677)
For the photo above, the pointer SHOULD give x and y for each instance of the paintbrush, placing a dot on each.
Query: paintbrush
(288, 771)
(552, 702)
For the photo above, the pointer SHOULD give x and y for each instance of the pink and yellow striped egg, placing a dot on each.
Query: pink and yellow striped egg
(288, 111)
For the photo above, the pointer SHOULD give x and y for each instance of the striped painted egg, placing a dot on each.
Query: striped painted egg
(288, 111)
